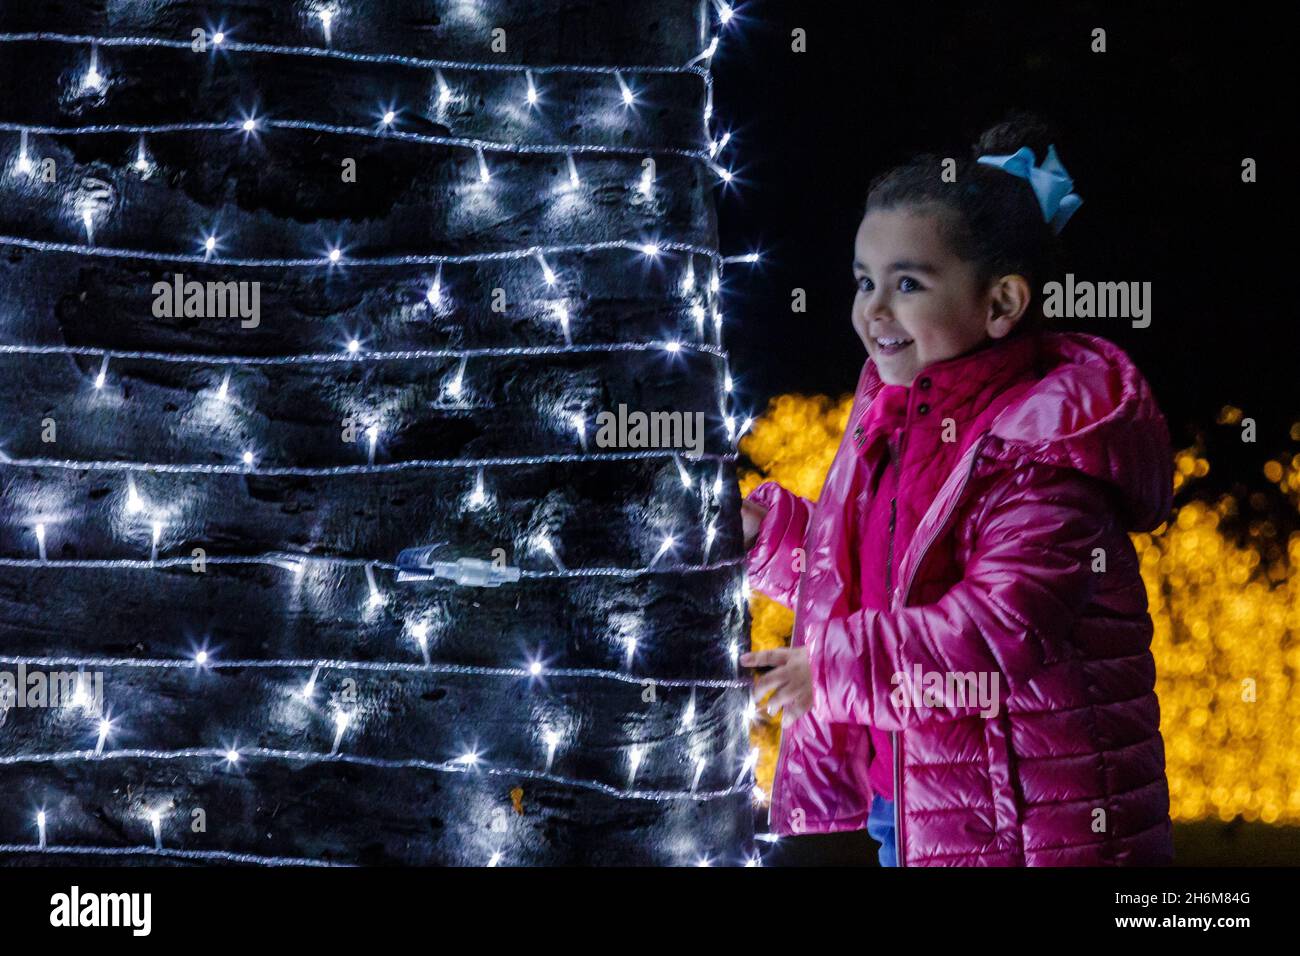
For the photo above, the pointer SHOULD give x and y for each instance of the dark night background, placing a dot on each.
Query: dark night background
(1153, 131)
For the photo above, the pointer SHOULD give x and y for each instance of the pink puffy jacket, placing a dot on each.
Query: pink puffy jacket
(1020, 574)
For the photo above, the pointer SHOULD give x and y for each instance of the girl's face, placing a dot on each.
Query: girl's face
(917, 303)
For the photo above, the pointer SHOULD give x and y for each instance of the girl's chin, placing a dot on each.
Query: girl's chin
(894, 369)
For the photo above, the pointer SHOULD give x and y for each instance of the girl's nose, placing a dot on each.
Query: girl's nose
(876, 308)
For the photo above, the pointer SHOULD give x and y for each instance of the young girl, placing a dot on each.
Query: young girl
(970, 675)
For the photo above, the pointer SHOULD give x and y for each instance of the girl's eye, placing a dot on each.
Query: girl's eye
(908, 284)
(864, 284)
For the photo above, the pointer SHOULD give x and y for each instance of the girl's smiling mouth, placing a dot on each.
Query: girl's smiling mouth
(891, 346)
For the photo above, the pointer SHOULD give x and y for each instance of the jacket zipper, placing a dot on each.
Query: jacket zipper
(907, 586)
(889, 601)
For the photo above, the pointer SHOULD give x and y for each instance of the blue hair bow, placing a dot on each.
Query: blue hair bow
(1050, 182)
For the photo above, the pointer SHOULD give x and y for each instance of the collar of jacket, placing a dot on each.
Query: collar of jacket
(956, 389)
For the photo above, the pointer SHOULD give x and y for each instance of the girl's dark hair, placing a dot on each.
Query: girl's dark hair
(989, 217)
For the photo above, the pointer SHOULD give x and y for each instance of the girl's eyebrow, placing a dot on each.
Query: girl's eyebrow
(903, 265)
(908, 265)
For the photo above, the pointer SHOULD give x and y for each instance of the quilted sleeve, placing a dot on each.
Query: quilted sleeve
(771, 562)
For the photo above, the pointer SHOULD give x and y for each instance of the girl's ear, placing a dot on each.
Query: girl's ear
(1008, 300)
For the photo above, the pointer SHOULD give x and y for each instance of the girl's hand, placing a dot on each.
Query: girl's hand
(751, 516)
(789, 680)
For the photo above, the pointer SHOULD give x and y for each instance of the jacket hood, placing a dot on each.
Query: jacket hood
(1092, 410)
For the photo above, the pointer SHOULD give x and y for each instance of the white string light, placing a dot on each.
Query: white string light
(464, 763)
(456, 385)
(309, 689)
(682, 472)
(327, 21)
(562, 313)
(95, 79)
(376, 596)
(478, 497)
(341, 722)
(548, 274)
(134, 503)
(629, 98)
(24, 161)
(434, 295)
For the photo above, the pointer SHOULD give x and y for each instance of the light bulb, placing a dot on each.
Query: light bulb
(548, 274)
(562, 311)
